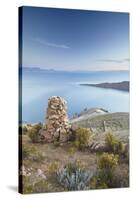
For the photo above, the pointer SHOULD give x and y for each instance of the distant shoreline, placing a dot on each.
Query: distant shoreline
(38, 69)
(123, 86)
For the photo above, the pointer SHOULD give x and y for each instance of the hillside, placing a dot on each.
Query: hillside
(100, 121)
(48, 162)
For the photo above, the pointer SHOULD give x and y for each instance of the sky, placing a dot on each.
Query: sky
(66, 39)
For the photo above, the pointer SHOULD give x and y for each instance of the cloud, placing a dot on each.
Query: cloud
(50, 44)
(125, 60)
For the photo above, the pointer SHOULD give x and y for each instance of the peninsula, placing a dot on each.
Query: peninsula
(124, 85)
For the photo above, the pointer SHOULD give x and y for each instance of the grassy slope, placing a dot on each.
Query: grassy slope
(64, 154)
(118, 123)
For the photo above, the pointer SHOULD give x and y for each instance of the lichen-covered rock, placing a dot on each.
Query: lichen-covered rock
(57, 126)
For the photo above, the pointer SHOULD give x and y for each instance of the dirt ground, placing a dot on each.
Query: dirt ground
(62, 154)
(56, 156)
(49, 158)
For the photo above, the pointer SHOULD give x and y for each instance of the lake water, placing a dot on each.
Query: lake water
(38, 86)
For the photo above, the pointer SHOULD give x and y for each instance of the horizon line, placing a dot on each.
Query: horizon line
(65, 70)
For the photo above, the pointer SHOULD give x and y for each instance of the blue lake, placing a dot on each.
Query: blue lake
(38, 86)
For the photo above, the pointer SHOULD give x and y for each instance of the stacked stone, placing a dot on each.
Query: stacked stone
(57, 125)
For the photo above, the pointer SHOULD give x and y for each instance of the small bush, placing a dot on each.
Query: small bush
(125, 154)
(27, 186)
(56, 143)
(30, 152)
(25, 152)
(106, 166)
(113, 144)
(53, 167)
(41, 186)
(121, 177)
(33, 133)
(72, 151)
(72, 177)
(37, 156)
(30, 187)
(82, 136)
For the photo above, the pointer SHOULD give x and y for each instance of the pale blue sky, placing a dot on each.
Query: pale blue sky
(75, 39)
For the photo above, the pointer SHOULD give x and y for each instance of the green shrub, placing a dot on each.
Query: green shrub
(53, 166)
(25, 152)
(82, 136)
(33, 133)
(106, 166)
(121, 177)
(113, 144)
(125, 153)
(37, 156)
(72, 151)
(27, 186)
(56, 143)
(30, 152)
(41, 186)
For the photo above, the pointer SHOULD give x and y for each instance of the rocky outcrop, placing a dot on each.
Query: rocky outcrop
(57, 126)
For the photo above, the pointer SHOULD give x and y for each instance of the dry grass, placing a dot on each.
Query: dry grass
(61, 154)
(55, 157)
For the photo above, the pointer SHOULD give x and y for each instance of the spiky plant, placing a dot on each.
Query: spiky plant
(72, 177)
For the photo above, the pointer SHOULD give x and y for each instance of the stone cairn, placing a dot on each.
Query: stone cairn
(57, 127)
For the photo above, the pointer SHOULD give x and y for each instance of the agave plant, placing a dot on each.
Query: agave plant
(72, 177)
